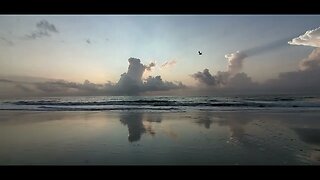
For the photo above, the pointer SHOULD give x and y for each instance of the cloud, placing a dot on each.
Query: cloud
(157, 84)
(6, 41)
(46, 26)
(44, 29)
(131, 83)
(24, 88)
(136, 127)
(5, 81)
(309, 38)
(267, 47)
(61, 87)
(312, 61)
(134, 121)
(205, 77)
(241, 81)
(304, 80)
(309, 135)
(168, 64)
(222, 78)
(295, 82)
(148, 67)
(235, 62)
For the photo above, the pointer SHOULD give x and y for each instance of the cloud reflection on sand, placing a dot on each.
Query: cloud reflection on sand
(310, 136)
(135, 137)
(136, 126)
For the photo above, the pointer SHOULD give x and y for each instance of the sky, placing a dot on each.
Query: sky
(75, 48)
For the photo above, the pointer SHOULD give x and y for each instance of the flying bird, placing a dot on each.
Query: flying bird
(88, 41)
(200, 53)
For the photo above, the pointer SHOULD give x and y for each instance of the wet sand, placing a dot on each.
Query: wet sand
(159, 138)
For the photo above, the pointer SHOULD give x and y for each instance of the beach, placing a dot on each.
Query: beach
(159, 138)
(159, 89)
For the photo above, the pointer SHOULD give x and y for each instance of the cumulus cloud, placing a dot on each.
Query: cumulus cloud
(235, 61)
(55, 87)
(44, 29)
(304, 80)
(222, 78)
(204, 77)
(130, 83)
(59, 86)
(309, 38)
(312, 61)
(63, 87)
(241, 81)
(168, 64)
(157, 84)
(135, 71)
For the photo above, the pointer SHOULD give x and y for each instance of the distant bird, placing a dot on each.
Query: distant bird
(200, 53)
(88, 41)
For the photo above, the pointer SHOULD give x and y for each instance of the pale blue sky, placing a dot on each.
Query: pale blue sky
(159, 38)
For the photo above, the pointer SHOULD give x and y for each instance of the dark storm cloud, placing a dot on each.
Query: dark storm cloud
(44, 29)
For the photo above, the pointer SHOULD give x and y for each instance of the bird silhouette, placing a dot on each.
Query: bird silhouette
(200, 53)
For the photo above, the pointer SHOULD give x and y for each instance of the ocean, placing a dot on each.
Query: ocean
(163, 103)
